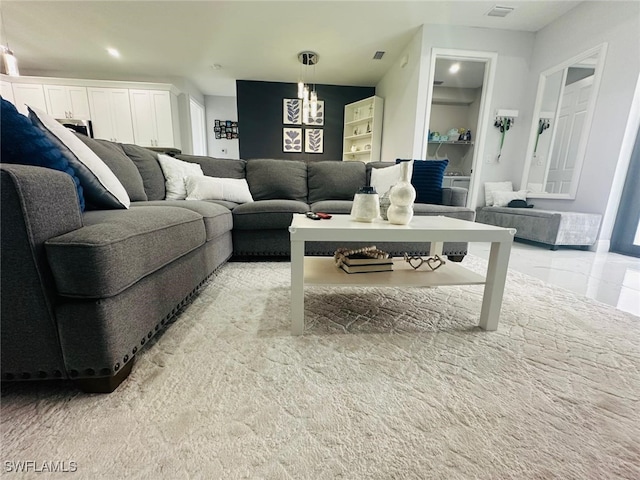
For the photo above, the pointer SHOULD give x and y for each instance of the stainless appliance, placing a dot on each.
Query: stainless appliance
(80, 126)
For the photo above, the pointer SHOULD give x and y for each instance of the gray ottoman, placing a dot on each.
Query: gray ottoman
(545, 226)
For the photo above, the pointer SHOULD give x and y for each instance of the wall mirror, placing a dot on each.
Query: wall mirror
(560, 126)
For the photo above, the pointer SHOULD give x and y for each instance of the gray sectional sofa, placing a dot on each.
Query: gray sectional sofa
(83, 292)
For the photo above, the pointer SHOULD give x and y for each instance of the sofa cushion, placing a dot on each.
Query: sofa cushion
(271, 179)
(335, 207)
(463, 213)
(217, 219)
(100, 186)
(267, 214)
(122, 166)
(217, 167)
(116, 248)
(329, 180)
(22, 143)
(147, 164)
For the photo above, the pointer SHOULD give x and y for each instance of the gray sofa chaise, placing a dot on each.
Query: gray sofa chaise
(83, 292)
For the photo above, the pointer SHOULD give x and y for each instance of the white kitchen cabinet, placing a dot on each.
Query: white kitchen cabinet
(152, 118)
(67, 102)
(111, 114)
(31, 94)
(6, 91)
(363, 130)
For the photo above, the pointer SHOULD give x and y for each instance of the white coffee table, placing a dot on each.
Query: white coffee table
(341, 228)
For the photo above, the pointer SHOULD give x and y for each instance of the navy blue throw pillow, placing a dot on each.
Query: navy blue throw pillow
(427, 179)
(23, 143)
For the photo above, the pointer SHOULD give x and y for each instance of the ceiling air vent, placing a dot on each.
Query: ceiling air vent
(378, 55)
(499, 11)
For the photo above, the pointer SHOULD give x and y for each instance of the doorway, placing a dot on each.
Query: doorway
(625, 238)
(198, 129)
(460, 86)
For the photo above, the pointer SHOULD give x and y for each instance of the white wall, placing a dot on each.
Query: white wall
(221, 108)
(400, 89)
(586, 26)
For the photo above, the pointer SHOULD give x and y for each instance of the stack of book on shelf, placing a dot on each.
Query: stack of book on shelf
(363, 260)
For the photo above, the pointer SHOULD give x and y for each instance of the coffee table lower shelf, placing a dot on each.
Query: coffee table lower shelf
(322, 271)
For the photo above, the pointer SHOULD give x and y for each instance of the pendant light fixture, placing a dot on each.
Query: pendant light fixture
(307, 92)
(9, 61)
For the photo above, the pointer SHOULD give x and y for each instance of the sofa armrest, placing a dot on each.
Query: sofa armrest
(454, 196)
(36, 204)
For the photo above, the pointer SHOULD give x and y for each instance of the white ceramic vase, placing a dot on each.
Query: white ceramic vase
(366, 205)
(402, 196)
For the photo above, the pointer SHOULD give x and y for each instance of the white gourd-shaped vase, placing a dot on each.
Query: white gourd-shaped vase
(402, 196)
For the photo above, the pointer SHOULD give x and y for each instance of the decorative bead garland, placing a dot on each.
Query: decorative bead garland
(372, 252)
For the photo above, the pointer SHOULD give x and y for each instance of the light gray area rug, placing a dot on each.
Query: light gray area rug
(385, 384)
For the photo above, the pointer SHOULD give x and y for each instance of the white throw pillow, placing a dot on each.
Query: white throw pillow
(175, 171)
(100, 186)
(215, 188)
(502, 199)
(490, 187)
(382, 179)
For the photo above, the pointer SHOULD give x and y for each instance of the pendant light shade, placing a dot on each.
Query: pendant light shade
(307, 92)
(9, 62)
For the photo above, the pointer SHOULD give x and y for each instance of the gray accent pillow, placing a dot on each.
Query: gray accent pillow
(217, 167)
(147, 164)
(335, 180)
(271, 179)
(121, 165)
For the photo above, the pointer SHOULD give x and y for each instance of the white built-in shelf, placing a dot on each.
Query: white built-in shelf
(358, 117)
(361, 135)
(449, 142)
(361, 120)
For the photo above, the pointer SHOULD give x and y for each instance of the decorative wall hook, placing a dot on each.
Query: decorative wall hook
(504, 121)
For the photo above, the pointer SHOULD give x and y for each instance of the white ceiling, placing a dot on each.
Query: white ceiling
(250, 40)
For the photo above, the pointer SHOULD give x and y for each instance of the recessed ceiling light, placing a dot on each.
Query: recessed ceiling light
(454, 68)
(113, 52)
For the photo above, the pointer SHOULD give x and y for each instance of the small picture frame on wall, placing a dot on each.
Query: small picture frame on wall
(292, 140)
(292, 111)
(225, 129)
(319, 118)
(313, 140)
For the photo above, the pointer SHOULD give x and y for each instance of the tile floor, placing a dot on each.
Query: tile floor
(607, 277)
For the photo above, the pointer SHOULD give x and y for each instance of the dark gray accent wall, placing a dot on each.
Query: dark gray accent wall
(260, 118)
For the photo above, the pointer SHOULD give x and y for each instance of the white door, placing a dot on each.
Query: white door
(198, 129)
(569, 135)
(28, 94)
(99, 104)
(111, 114)
(161, 104)
(121, 115)
(142, 113)
(78, 103)
(57, 101)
